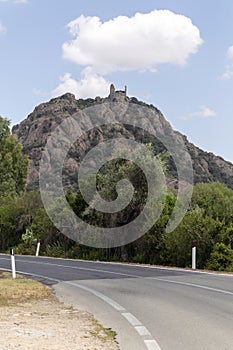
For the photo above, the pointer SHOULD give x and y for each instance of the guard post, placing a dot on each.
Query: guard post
(13, 269)
(38, 247)
(194, 254)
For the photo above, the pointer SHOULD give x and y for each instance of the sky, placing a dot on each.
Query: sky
(176, 55)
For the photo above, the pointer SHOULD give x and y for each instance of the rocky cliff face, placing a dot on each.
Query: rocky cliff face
(34, 131)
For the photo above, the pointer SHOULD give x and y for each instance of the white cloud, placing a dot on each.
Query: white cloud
(228, 74)
(90, 85)
(206, 112)
(203, 112)
(2, 29)
(138, 43)
(229, 53)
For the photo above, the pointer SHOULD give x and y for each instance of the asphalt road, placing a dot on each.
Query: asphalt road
(149, 308)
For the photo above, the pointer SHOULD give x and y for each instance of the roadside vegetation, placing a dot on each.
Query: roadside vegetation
(23, 220)
(20, 290)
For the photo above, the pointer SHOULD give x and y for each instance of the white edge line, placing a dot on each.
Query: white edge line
(192, 285)
(137, 276)
(150, 344)
(128, 316)
(76, 268)
(118, 273)
(108, 300)
(131, 319)
(32, 274)
(213, 273)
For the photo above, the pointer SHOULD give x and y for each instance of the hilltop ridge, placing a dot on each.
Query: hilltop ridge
(34, 131)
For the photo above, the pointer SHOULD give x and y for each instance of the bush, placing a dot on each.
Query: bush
(221, 258)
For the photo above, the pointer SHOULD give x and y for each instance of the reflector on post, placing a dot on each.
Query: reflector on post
(194, 253)
(38, 247)
(13, 269)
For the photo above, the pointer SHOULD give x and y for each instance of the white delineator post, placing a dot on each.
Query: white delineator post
(13, 269)
(194, 254)
(38, 247)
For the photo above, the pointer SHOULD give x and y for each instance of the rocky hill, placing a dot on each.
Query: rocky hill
(34, 131)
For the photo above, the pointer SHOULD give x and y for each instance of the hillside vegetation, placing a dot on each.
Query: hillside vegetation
(34, 131)
(23, 220)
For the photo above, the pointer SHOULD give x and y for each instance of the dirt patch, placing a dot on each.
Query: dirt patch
(43, 323)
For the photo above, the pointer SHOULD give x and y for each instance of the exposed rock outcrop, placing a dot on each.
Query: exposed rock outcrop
(34, 131)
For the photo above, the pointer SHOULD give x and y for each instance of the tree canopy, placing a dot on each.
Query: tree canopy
(13, 163)
(209, 219)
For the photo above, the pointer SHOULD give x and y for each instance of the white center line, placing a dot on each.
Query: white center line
(152, 345)
(142, 331)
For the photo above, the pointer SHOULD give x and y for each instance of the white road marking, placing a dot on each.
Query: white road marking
(152, 345)
(142, 331)
(129, 275)
(178, 269)
(211, 273)
(191, 285)
(131, 319)
(76, 268)
(33, 274)
(123, 264)
(107, 300)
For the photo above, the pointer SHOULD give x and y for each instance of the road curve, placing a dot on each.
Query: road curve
(150, 308)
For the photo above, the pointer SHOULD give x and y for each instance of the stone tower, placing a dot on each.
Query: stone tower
(117, 95)
(112, 92)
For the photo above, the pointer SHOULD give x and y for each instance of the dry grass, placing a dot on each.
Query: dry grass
(20, 290)
(104, 334)
(45, 324)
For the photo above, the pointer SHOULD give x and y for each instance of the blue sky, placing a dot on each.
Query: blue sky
(181, 64)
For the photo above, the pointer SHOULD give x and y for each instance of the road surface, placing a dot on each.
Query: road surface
(150, 308)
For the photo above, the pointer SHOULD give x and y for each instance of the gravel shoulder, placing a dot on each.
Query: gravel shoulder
(45, 323)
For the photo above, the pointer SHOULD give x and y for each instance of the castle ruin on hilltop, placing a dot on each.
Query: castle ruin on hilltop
(117, 95)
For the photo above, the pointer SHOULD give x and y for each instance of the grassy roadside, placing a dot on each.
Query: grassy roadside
(20, 290)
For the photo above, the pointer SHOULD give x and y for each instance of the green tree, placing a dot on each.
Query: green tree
(194, 227)
(151, 248)
(221, 258)
(9, 219)
(215, 199)
(13, 163)
(226, 236)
